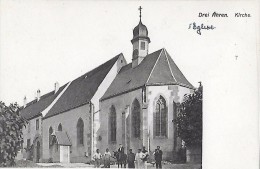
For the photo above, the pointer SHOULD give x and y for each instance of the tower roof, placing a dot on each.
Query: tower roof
(140, 31)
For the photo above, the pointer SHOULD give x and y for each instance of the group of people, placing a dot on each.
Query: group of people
(138, 160)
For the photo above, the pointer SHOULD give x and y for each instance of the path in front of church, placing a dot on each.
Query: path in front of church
(149, 166)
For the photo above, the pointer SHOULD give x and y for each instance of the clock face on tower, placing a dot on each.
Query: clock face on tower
(135, 53)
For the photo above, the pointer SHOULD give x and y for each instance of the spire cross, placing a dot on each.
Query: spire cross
(140, 9)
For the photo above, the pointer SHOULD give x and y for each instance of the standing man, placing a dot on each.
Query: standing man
(120, 155)
(121, 148)
(97, 158)
(131, 159)
(145, 152)
(158, 157)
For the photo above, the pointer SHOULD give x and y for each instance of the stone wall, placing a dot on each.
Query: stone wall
(123, 103)
(69, 121)
(194, 155)
(30, 132)
(171, 93)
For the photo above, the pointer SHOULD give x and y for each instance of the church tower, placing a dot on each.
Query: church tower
(140, 42)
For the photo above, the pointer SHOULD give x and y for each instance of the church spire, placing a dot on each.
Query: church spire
(140, 42)
(140, 9)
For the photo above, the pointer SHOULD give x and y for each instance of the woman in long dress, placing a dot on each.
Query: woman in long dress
(139, 159)
(107, 156)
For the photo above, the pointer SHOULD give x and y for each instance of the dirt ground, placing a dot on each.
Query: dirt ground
(25, 163)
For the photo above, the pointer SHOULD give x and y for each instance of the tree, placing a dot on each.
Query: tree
(189, 119)
(11, 140)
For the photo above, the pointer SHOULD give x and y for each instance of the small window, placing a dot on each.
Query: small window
(37, 124)
(29, 127)
(142, 45)
(60, 127)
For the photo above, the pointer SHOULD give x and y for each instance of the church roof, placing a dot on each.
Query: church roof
(157, 68)
(82, 89)
(34, 108)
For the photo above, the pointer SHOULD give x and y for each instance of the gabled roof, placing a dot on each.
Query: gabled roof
(35, 108)
(157, 68)
(62, 138)
(82, 89)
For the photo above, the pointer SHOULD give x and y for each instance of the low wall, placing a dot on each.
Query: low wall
(194, 155)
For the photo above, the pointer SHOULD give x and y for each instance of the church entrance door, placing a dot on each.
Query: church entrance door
(64, 154)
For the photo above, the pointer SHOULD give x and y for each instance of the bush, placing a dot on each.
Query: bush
(11, 140)
(189, 119)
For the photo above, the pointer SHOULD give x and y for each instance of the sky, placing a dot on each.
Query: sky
(43, 42)
(47, 41)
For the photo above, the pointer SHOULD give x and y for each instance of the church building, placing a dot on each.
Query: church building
(132, 104)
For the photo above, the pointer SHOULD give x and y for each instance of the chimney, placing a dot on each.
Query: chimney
(56, 87)
(38, 94)
(24, 102)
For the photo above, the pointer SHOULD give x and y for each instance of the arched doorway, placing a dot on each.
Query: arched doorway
(38, 149)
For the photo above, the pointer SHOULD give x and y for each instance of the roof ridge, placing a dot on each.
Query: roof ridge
(178, 69)
(169, 64)
(83, 89)
(34, 100)
(96, 68)
(45, 96)
(55, 100)
(154, 65)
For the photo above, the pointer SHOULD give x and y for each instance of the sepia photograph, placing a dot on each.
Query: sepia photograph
(133, 84)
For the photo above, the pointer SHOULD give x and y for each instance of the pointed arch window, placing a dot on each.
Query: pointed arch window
(50, 132)
(112, 124)
(60, 127)
(80, 132)
(160, 118)
(136, 119)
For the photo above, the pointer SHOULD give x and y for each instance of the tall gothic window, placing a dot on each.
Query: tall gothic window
(50, 132)
(112, 124)
(80, 132)
(136, 119)
(60, 127)
(160, 118)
